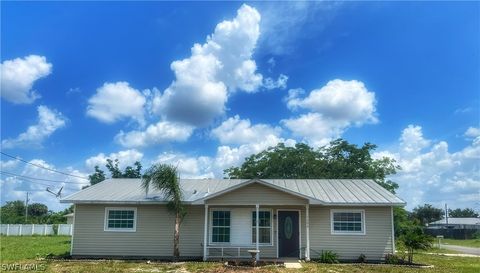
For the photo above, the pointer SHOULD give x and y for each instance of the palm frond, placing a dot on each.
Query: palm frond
(164, 178)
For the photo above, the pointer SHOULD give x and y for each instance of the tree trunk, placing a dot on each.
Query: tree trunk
(176, 238)
(410, 256)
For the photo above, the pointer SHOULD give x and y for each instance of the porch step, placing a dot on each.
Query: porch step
(293, 264)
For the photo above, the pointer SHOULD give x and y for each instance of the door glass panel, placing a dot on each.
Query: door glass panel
(288, 227)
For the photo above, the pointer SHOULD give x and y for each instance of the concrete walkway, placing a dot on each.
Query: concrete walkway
(453, 254)
(292, 264)
(463, 249)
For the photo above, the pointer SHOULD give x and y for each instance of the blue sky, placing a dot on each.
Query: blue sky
(84, 81)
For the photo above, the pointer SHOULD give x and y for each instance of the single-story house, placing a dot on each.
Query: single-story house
(456, 223)
(69, 218)
(227, 217)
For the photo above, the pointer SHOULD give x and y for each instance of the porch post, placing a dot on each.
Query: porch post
(205, 232)
(307, 223)
(257, 219)
(393, 230)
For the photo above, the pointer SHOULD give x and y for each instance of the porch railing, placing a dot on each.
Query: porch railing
(229, 251)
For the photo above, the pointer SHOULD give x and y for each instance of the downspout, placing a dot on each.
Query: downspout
(205, 233)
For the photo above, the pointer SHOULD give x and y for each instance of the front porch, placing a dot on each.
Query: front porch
(278, 232)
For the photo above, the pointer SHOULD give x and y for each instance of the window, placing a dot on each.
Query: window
(220, 226)
(348, 222)
(264, 227)
(120, 219)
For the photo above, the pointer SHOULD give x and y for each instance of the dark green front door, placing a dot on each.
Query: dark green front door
(288, 234)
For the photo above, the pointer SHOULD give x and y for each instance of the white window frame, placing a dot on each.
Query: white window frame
(105, 224)
(271, 228)
(343, 232)
(210, 237)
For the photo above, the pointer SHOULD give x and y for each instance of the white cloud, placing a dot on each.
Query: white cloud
(333, 109)
(315, 129)
(15, 188)
(221, 65)
(116, 101)
(432, 174)
(340, 100)
(48, 122)
(412, 141)
(240, 131)
(19, 75)
(280, 83)
(228, 156)
(8, 164)
(188, 167)
(161, 132)
(472, 132)
(284, 25)
(243, 139)
(125, 158)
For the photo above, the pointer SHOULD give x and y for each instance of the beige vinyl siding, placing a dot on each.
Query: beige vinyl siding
(191, 232)
(374, 244)
(153, 236)
(256, 193)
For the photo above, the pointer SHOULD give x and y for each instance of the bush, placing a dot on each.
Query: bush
(392, 259)
(362, 258)
(414, 239)
(476, 235)
(328, 257)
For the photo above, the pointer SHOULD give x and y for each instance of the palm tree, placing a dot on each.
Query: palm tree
(165, 178)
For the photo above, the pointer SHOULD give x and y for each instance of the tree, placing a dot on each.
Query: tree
(338, 160)
(13, 212)
(414, 239)
(400, 220)
(37, 210)
(113, 166)
(468, 212)
(97, 177)
(133, 172)
(165, 178)
(426, 214)
(280, 161)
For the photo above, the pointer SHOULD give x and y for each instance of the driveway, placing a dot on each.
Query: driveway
(463, 249)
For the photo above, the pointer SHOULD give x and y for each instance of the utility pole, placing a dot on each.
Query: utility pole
(26, 209)
(446, 214)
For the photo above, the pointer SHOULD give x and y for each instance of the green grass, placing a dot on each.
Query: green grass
(16, 248)
(24, 250)
(469, 243)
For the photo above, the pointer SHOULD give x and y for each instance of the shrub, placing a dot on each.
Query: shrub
(328, 257)
(362, 258)
(414, 239)
(392, 259)
(476, 235)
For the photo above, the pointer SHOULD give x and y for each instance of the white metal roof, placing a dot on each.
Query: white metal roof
(458, 221)
(196, 191)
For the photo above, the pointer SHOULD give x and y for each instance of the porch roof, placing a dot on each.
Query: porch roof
(196, 191)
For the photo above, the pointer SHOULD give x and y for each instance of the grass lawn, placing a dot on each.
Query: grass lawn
(24, 250)
(17, 248)
(469, 243)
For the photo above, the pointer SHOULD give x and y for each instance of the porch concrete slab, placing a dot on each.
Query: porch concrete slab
(292, 264)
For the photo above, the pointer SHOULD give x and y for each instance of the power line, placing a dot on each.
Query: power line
(42, 167)
(38, 183)
(40, 179)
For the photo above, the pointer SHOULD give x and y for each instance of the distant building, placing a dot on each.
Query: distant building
(456, 223)
(69, 218)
